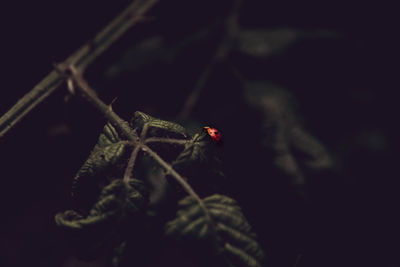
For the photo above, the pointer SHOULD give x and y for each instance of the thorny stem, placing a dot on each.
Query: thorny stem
(135, 152)
(186, 186)
(90, 95)
(92, 49)
(30, 100)
(131, 164)
(144, 132)
(167, 140)
(139, 143)
(81, 59)
(179, 179)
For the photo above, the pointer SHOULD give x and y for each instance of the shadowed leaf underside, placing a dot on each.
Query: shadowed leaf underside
(238, 243)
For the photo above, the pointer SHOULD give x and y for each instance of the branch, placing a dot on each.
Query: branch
(179, 179)
(90, 95)
(131, 164)
(81, 59)
(144, 131)
(29, 101)
(221, 53)
(167, 140)
(115, 29)
(135, 152)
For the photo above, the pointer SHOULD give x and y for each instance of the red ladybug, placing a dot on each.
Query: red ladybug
(214, 133)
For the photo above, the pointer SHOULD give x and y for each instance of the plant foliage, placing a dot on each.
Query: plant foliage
(193, 151)
(122, 205)
(106, 153)
(118, 203)
(224, 218)
(157, 126)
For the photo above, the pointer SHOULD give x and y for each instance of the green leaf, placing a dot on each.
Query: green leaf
(163, 127)
(228, 225)
(119, 207)
(117, 201)
(193, 151)
(106, 153)
(200, 161)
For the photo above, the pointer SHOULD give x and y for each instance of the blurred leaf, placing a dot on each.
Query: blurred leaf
(236, 240)
(263, 43)
(145, 54)
(118, 254)
(295, 149)
(266, 42)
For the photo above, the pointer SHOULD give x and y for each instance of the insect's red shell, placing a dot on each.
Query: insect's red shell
(214, 133)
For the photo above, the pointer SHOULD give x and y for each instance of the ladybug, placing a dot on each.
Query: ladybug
(214, 133)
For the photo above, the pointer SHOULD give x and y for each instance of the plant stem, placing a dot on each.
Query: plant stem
(144, 132)
(121, 125)
(220, 54)
(131, 164)
(179, 179)
(167, 140)
(132, 159)
(139, 143)
(24, 105)
(81, 59)
(90, 95)
(92, 49)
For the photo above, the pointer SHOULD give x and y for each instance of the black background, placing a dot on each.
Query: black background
(344, 87)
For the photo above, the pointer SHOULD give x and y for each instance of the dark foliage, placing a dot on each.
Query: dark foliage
(301, 91)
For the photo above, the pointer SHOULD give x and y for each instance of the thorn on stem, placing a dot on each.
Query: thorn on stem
(112, 102)
(70, 86)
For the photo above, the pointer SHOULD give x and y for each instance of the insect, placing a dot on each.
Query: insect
(214, 133)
